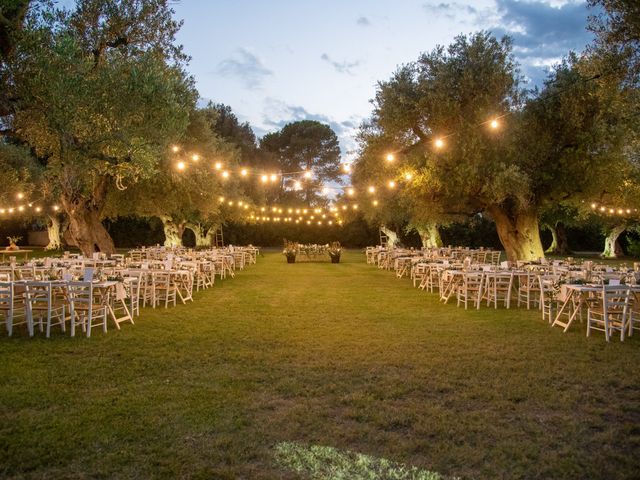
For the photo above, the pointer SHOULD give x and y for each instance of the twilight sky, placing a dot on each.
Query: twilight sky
(277, 61)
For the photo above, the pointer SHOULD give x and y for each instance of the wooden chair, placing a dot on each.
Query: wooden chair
(46, 302)
(548, 297)
(87, 304)
(164, 288)
(470, 290)
(610, 313)
(528, 289)
(499, 288)
(12, 307)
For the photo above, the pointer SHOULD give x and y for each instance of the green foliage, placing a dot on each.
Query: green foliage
(305, 145)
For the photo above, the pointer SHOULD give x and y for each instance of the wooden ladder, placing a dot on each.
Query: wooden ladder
(384, 240)
(219, 238)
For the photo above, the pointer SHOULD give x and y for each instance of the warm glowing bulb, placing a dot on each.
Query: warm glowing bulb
(175, 148)
(307, 174)
(375, 203)
(20, 196)
(273, 177)
(55, 207)
(620, 211)
(218, 165)
(38, 209)
(602, 209)
(355, 207)
(231, 203)
(11, 209)
(225, 174)
(494, 124)
(611, 210)
(351, 191)
(244, 172)
(2, 210)
(21, 208)
(593, 205)
(628, 210)
(392, 184)
(181, 165)
(330, 222)
(439, 143)
(264, 178)
(390, 157)
(195, 157)
(372, 189)
(408, 176)
(262, 209)
(221, 199)
(344, 207)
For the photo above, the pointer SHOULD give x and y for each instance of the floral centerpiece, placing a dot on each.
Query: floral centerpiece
(334, 250)
(290, 251)
(13, 243)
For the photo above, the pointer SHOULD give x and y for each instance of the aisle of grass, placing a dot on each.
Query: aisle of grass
(344, 356)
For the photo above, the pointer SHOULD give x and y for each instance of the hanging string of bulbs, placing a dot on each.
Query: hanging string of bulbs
(25, 206)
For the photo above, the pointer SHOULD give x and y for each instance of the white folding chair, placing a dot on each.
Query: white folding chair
(46, 302)
(610, 313)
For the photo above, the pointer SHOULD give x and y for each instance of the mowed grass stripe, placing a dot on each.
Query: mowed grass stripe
(343, 355)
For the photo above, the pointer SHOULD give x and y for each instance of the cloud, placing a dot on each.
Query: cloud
(451, 10)
(340, 67)
(542, 33)
(277, 114)
(245, 66)
(363, 21)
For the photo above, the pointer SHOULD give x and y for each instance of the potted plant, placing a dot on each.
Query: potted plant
(290, 251)
(335, 250)
(13, 243)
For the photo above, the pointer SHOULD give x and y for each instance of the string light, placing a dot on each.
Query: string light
(372, 189)
(307, 174)
(181, 165)
(494, 124)
(351, 192)
(439, 143)
(390, 157)
(225, 174)
(195, 157)
(392, 184)
(175, 149)
(217, 166)
(244, 172)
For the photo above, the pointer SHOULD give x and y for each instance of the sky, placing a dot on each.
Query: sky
(278, 61)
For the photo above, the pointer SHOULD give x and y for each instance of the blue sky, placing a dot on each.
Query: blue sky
(276, 61)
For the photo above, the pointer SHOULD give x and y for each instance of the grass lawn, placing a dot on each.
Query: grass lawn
(313, 354)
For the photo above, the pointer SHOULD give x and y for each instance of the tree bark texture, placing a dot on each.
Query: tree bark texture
(519, 233)
(54, 230)
(203, 234)
(612, 248)
(172, 231)
(560, 242)
(85, 220)
(430, 235)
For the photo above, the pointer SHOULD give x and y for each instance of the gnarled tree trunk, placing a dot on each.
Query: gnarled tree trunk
(54, 230)
(392, 237)
(172, 231)
(560, 242)
(519, 233)
(85, 220)
(612, 248)
(429, 235)
(203, 234)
